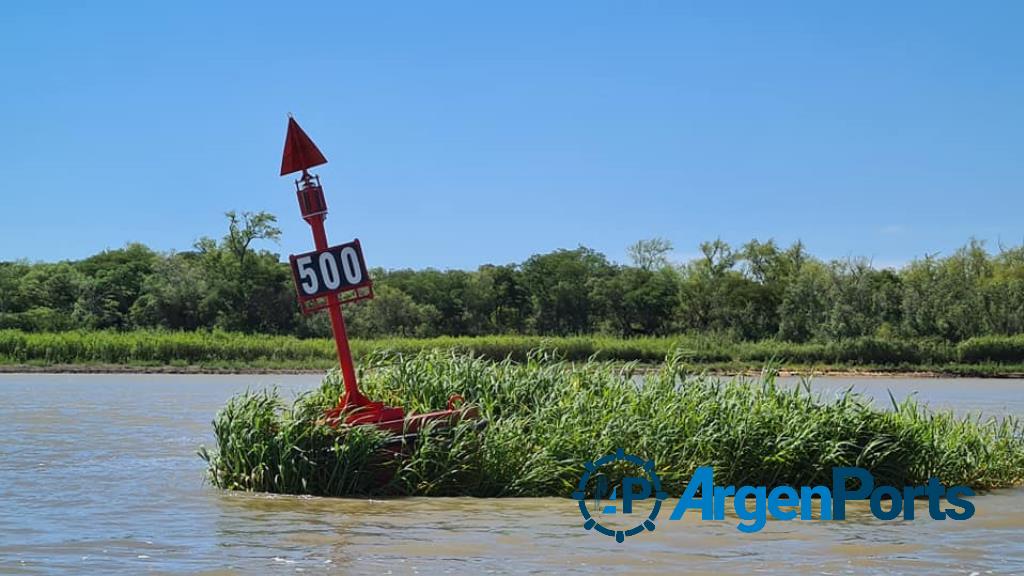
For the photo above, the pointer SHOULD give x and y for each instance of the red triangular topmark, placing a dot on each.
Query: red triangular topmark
(299, 151)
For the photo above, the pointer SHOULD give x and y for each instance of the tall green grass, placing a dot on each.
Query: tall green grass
(224, 349)
(546, 417)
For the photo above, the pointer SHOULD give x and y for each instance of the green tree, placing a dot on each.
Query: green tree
(512, 304)
(1003, 293)
(52, 286)
(172, 295)
(640, 301)
(650, 254)
(562, 285)
(47, 293)
(805, 306)
(249, 290)
(704, 287)
(12, 299)
(391, 313)
(445, 291)
(943, 297)
(112, 282)
(863, 300)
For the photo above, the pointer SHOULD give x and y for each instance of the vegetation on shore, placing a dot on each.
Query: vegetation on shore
(547, 417)
(749, 293)
(230, 305)
(990, 355)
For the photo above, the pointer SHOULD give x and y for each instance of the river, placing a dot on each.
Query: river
(99, 475)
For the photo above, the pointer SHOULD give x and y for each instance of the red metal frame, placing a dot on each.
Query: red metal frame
(310, 305)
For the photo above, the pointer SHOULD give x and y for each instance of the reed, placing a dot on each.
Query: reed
(990, 355)
(547, 416)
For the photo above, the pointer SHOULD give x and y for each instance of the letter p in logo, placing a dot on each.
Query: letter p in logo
(634, 488)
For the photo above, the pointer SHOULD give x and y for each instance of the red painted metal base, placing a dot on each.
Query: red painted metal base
(393, 418)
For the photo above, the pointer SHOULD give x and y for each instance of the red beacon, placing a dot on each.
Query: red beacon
(332, 275)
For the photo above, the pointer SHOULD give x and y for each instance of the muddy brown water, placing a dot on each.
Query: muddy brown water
(99, 475)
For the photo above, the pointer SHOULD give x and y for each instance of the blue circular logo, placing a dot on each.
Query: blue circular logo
(649, 486)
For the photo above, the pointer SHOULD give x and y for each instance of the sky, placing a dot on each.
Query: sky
(464, 133)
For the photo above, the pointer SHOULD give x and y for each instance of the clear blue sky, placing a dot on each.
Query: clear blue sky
(465, 133)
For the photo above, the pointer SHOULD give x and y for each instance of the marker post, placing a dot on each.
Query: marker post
(332, 275)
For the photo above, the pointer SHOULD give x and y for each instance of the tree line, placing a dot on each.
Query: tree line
(755, 291)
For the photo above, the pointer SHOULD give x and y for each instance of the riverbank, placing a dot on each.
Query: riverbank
(966, 371)
(223, 352)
